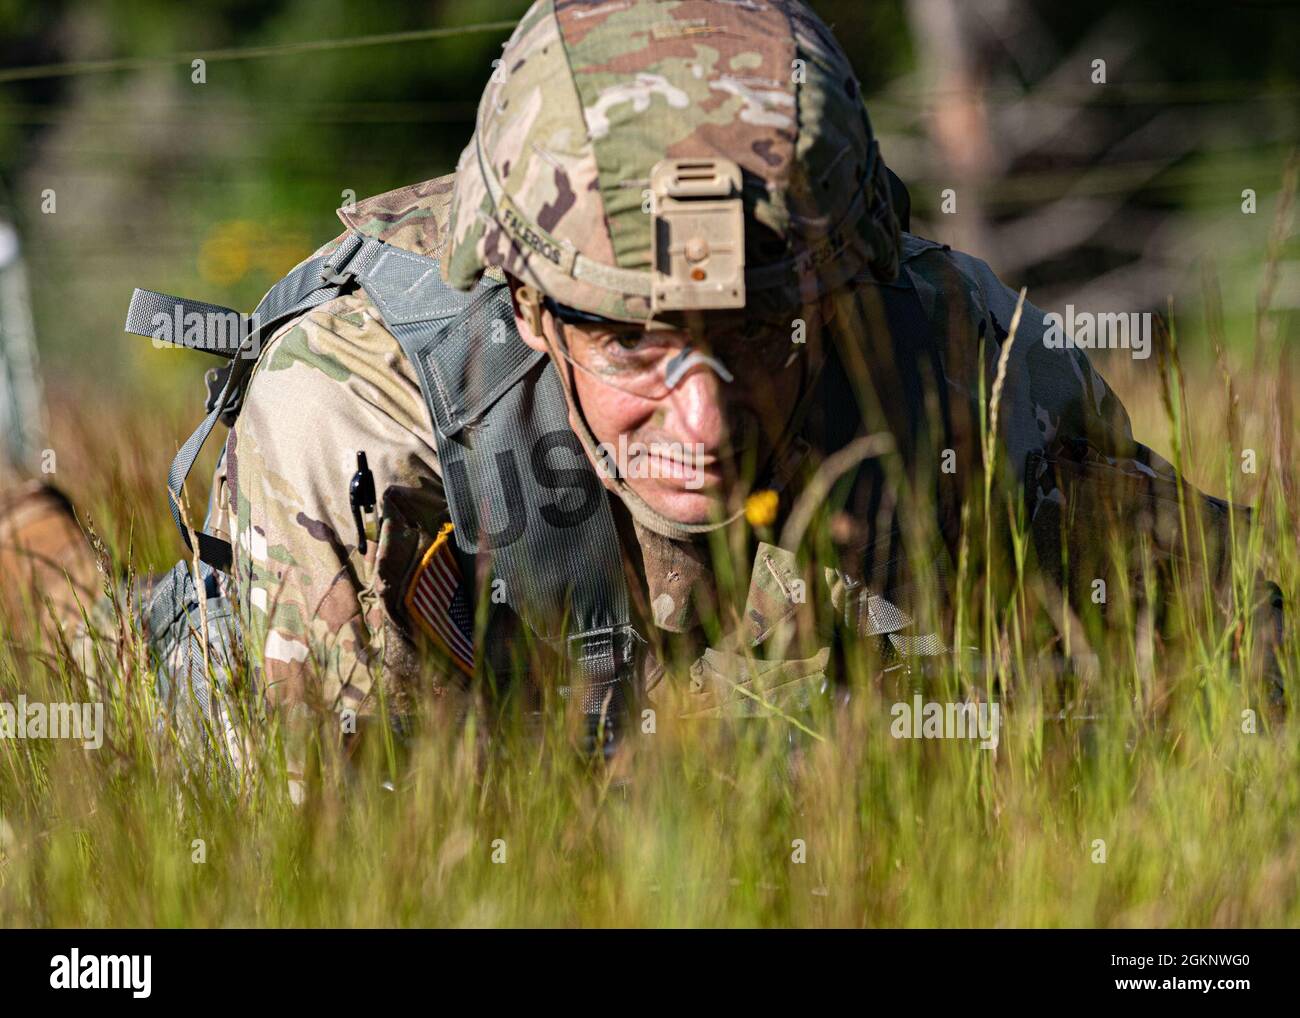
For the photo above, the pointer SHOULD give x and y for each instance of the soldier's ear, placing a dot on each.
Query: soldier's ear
(528, 313)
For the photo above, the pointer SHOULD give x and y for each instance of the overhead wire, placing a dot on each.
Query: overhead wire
(83, 67)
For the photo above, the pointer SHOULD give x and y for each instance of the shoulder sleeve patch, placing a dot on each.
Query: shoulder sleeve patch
(439, 604)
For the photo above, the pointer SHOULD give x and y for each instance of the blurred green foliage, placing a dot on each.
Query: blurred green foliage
(214, 190)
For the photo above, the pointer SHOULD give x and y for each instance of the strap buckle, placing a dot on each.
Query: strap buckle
(337, 278)
(335, 271)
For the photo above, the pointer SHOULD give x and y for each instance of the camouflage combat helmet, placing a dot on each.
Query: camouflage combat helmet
(634, 158)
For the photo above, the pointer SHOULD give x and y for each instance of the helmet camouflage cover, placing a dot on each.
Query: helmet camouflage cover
(590, 99)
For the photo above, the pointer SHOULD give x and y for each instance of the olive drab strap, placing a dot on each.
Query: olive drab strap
(518, 483)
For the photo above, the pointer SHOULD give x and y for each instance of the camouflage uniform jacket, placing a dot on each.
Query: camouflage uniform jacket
(330, 625)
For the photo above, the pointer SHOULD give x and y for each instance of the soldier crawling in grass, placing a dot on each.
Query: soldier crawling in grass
(672, 226)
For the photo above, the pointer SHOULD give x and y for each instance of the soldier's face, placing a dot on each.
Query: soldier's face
(691, 449)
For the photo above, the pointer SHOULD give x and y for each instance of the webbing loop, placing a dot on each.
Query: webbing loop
(301, 290)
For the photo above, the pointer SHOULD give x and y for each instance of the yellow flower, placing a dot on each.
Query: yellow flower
(761, 506)
(228, 250)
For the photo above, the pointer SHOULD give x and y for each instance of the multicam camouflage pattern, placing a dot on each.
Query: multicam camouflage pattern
(328, 621)
(588, 100)
(589, 97)
(327, 624)
(759, 668)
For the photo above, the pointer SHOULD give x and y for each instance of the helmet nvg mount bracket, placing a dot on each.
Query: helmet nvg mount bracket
(697, 236)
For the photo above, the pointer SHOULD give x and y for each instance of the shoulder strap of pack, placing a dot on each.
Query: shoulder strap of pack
(228, 333)
(519, 485)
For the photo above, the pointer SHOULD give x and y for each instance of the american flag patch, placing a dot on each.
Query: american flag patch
(437, 601)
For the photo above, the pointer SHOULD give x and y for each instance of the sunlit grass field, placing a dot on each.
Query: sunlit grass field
(1136, 796)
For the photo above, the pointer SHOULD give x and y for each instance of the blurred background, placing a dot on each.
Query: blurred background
(118, 170)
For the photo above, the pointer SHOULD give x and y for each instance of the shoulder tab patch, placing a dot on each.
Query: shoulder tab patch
(437, 601)
(413, 218)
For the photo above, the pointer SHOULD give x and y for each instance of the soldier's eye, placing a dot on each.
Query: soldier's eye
(630, 340)
(630, 347)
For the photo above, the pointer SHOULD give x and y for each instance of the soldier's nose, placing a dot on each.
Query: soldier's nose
(697, 413)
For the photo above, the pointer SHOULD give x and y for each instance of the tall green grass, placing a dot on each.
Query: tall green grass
(1142, 761)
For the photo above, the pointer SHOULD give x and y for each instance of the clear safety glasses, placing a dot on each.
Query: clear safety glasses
(650, 363)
